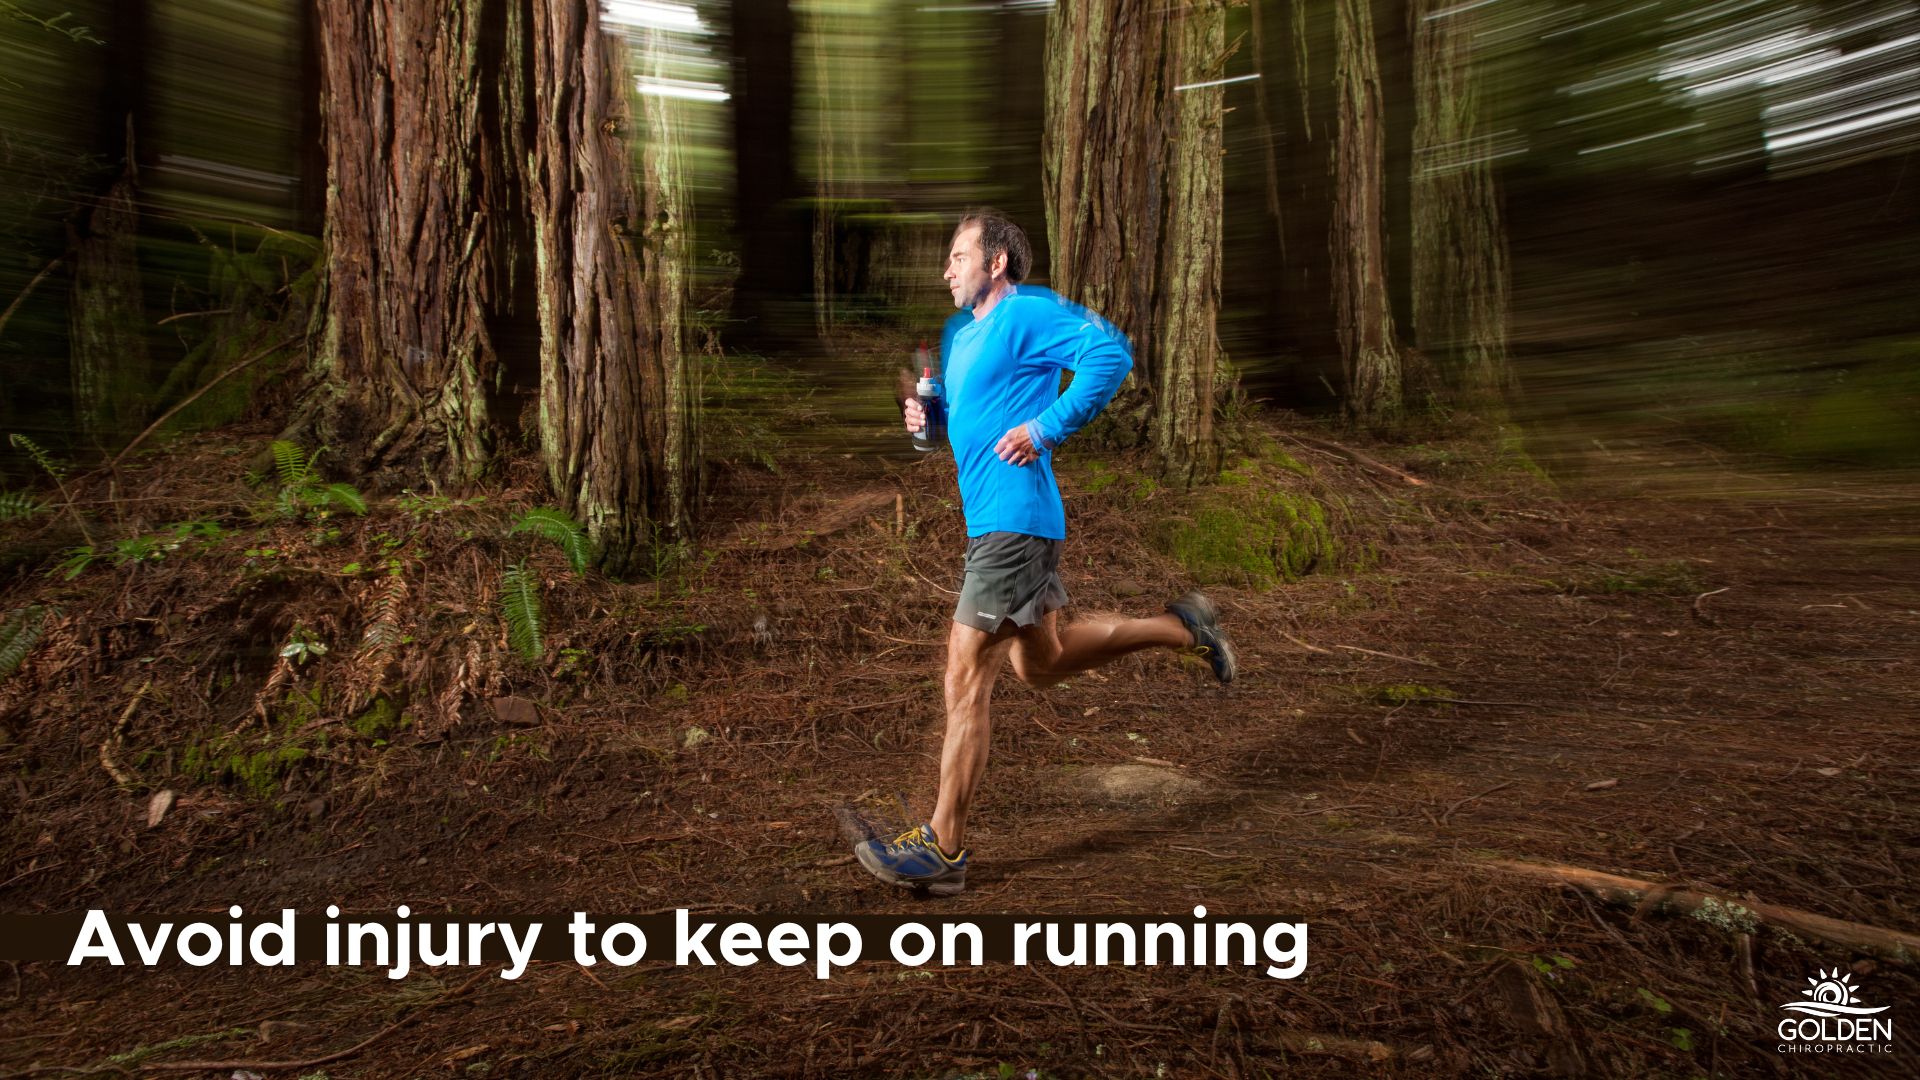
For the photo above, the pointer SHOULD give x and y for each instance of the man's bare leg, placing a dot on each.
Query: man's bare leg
(974, 660)
(1044, 655)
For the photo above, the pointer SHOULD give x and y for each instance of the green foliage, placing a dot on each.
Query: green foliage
(40, 457)
(302, 646)
(74, 562)
(59, 24)
(557, 526)
(301, 492)
(19, 505)
(520, 606)
(19, 633)
(422, 506)
(293, 464)
(1251, 537)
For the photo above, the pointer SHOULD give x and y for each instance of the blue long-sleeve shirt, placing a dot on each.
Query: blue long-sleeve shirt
(1003, 371)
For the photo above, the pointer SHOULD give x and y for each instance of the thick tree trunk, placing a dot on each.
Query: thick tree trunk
(1459, 243)
(616, 399)
(112, 371)
(419, 247)
(1306, 122)
(1363, 314)
(1133, 190)
(770, 297)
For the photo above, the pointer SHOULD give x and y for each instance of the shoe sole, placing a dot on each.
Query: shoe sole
(936, 888)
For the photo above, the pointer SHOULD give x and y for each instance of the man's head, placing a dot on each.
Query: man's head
(987, 251)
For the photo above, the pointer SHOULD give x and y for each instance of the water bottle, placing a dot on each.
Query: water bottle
(933, 432)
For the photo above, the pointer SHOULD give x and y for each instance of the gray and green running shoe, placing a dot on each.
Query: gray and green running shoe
(1209, 641)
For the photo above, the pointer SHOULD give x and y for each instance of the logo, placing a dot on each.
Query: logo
(1833, 1021)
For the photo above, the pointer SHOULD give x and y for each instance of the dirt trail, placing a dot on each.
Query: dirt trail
(1685, 674)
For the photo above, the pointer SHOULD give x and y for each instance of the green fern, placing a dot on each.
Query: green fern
(556, 526)
(520, 607)
(344, 495)
(17, 505)
(74, 562)
(19, 633)
(293, 464)
(39, 456)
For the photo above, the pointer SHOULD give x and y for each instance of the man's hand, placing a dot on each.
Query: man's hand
(1016, 447)
(916, 416)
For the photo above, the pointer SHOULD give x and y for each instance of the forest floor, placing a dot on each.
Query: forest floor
(1662, 664)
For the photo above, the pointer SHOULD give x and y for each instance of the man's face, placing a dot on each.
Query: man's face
(968, 275)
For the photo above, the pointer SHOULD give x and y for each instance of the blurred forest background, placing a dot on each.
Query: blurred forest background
(634, 237)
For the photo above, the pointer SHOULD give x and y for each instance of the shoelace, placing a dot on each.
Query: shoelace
(911, 838)
(916, 837)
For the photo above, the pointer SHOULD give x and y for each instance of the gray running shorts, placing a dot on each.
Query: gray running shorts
(1009, 576)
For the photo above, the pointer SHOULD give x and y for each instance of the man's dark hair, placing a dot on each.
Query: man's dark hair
(999, 234)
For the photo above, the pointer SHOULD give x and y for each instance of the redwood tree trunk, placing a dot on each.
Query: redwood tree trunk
(112, 371)
(617, 397)
(1362, 310)
(420, 194)
(1133, 190)
(1459, 242)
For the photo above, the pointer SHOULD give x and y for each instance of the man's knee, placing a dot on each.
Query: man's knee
(1035, 660)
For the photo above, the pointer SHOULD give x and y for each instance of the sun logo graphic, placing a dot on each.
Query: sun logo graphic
(1832, 1019)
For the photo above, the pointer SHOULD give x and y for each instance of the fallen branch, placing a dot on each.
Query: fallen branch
(26, 292)
(118, 736)
(1700, 614)
(1390, 656)
(1359, 458)
(1733, 915)
(195, 396)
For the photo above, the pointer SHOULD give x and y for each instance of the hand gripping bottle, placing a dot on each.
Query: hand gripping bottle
(933, 432)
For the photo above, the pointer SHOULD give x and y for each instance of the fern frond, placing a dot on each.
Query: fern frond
(32, 449)
(557, 526)
(520, 607)
(291, 463)
(383, 621)
(294, 464)
(345, 495)
(15, 505)
(19, 633)
(74, 562)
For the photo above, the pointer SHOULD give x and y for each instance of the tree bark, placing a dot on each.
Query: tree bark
(1132, 159)
(1459, 241)
(111, 368)
(112, 371)
(419, 248)
(1363, 312)
(771, 294)
(617, 397)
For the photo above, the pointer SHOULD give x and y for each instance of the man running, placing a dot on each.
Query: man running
(1001, 357)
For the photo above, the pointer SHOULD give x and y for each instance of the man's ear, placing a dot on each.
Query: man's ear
(999, 267)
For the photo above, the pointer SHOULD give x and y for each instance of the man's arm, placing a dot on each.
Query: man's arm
(1096, 352)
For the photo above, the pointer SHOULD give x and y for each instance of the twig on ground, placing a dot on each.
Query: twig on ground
(1390, 656)
(1897, 945)
(1359, 458)
(114, 739)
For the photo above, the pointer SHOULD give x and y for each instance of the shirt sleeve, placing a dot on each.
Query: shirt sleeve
(1066, 335)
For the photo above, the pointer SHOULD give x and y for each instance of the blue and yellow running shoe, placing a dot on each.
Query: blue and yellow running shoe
(914, 859)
